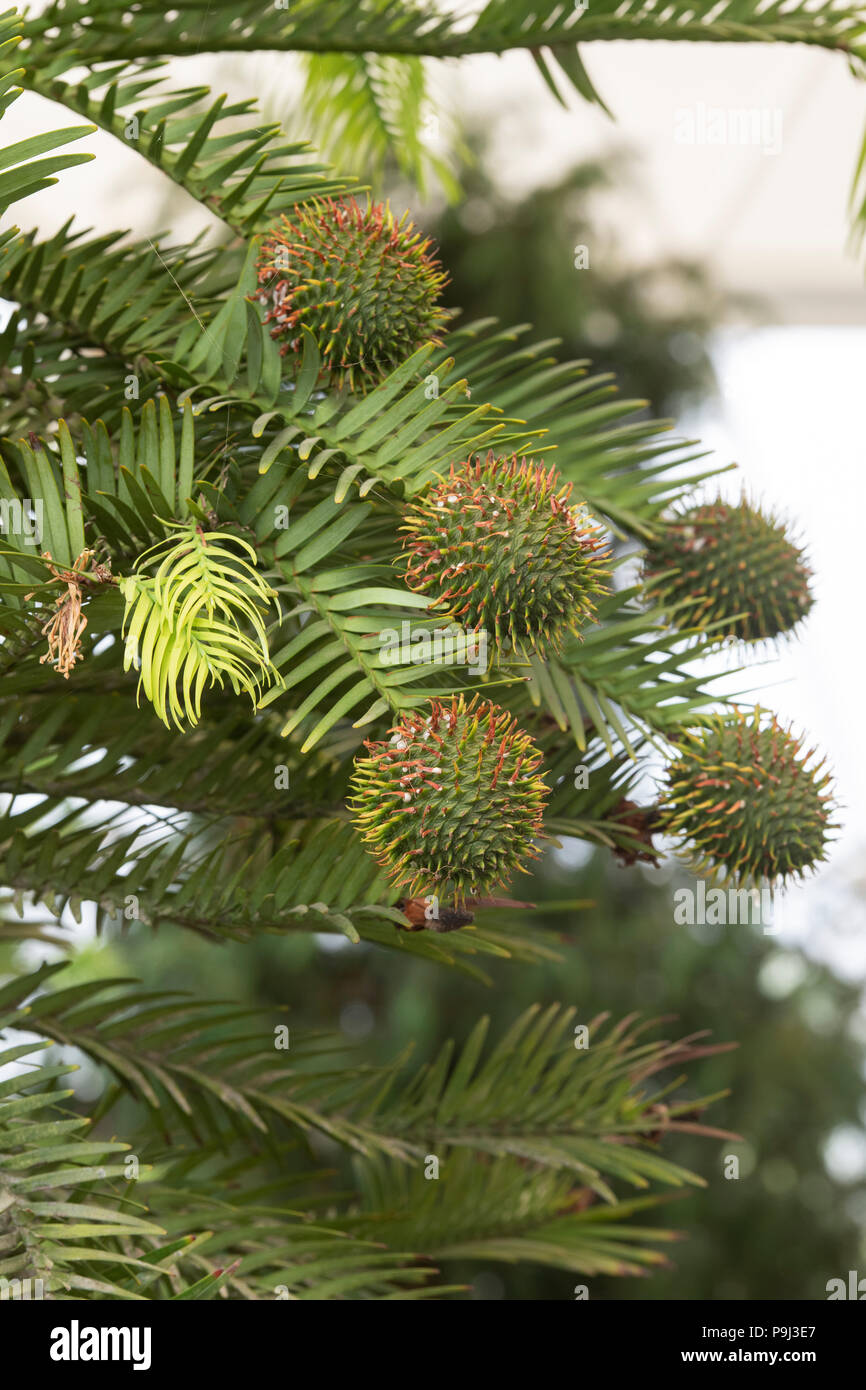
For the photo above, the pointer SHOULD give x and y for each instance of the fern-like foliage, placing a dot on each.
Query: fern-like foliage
(367, 107)
(532, 1139)
(186, 625)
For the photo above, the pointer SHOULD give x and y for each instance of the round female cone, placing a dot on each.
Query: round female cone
(364, 284)
(740, 566)
(452, 803)
(746, 798)
(498, 546)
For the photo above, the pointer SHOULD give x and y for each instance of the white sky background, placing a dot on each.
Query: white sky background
(791, 404)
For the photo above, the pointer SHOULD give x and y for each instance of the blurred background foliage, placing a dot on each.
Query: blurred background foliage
(789, 1222)
(781, 1229)
(553, 259)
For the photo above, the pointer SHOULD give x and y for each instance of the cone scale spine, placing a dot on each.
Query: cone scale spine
(498, 546)
(452, 803)
(731, 566)
(748, 800)
(364, 283)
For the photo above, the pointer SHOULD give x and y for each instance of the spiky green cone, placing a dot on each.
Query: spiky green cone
(740, 565)
(366, 286)
(452, 803)
(747, 799)
(496, 545)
